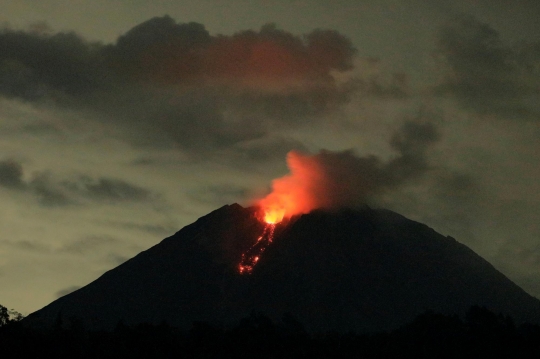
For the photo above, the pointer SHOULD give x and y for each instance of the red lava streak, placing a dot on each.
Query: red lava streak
(252, 255)
(298, 192)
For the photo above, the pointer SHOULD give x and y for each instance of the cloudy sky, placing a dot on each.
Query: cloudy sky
(122, 121)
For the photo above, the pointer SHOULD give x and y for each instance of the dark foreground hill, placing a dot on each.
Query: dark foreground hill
(480, 334)
(362, 270)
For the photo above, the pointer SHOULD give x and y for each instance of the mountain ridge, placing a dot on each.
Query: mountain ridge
(351, 269)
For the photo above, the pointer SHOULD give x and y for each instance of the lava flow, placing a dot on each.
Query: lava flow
(271, 216)
(252, 256)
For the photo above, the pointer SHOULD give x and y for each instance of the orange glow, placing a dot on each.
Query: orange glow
(295, 193)
(299, 192)
(273, 216)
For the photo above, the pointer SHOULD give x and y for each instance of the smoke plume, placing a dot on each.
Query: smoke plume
(341, 179)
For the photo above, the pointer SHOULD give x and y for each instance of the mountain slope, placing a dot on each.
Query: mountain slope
(358, 270)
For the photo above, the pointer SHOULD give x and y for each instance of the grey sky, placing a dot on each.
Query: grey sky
(107, 147)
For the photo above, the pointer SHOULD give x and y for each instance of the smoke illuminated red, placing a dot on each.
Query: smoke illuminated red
(291, 194)
(299, 192)
(294, 193)
(333, 180)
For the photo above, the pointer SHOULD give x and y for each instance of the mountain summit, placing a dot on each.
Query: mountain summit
(363, 270)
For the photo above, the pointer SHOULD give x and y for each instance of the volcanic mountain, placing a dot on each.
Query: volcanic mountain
(364, 270)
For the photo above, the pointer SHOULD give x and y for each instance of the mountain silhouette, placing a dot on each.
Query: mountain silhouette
(363, 270)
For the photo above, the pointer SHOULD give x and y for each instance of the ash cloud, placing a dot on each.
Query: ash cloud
(350, 180)
(173, 84)
(160, 50)
(412, 142)
(33, 65)
(342, 179)
(486, 75)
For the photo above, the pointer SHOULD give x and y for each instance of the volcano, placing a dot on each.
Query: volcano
(363, 270)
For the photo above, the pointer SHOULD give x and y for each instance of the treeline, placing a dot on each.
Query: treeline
(481, 334)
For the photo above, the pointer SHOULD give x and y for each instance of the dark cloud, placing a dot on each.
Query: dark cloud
(52, 192)
(33, 65)
(11, 174)
(397, 89)
(160, 50)
(66, 291)
(411, 142)
(486, 75)
(350, 180)
(108, 189)
(173, 84)
(48, 192)
(342, 179)
(373, 81)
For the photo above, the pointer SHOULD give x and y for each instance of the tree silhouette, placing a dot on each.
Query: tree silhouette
(480, 334)
(9, 316)
(4, 316)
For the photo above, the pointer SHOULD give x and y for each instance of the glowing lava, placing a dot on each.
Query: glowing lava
(295, 193)
(274, 216)
(252, 255)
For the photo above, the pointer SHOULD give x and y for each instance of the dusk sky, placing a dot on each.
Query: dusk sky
(123, 121)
